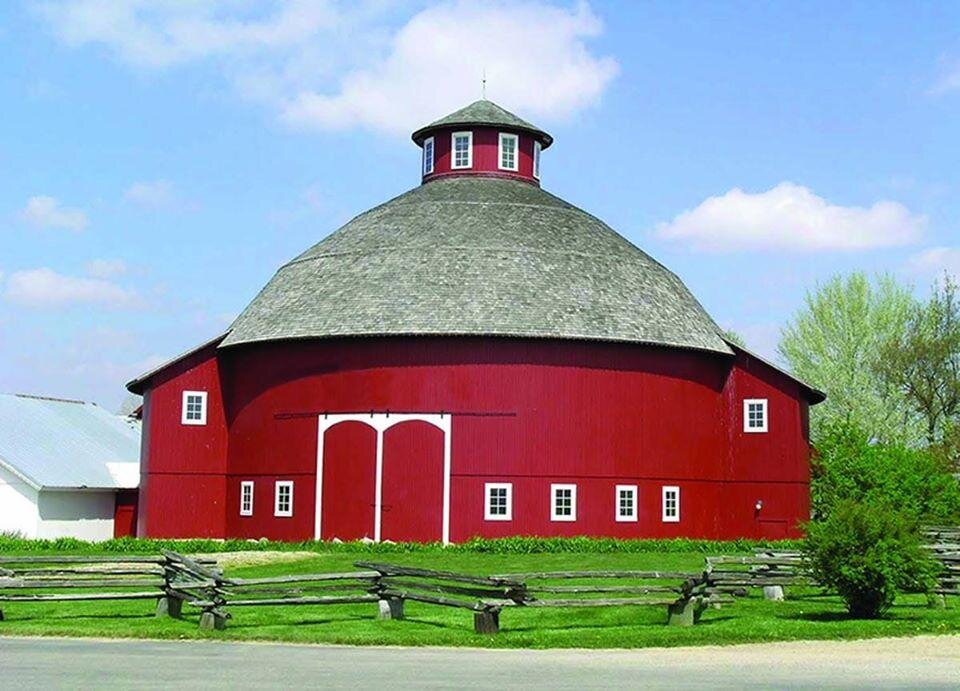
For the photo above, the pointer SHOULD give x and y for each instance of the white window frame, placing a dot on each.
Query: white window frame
(453, 150)
(663, 504)
(516, 151)
(632, 517)
(553, 503)
(245, 487)
(487, 488)
(203, 408)
(276, 499)
(763, 403)
(429, 141)
(536, 159)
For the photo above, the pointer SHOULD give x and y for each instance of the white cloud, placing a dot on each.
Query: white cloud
(936, 260)
(156, 194)
(106, 268)
(791, 217)
(46, 212)
(45, 288)
(535, 57)
(334, 64)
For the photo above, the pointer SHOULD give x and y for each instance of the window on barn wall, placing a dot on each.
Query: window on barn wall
(626, 496)
(508, 151)
(499, 501)
(461, 145)
(536, 160)
(671, 504)
(246, 498)
(563, 504)
(755, 415)
(428, 156)
(194, 408)
(283, 499)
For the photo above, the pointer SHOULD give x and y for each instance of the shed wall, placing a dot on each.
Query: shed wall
(85, 515)
(18, 505)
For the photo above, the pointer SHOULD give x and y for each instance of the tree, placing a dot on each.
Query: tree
(734, 337)
(923, 361)
(834, 343)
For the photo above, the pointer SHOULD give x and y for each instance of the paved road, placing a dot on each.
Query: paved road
(87, 664)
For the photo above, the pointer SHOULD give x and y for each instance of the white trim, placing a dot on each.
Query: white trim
(553, 503)
(516, 151)
(537, 148)
(433, 155)
(632, 517)
(487, 516)
(762, 402)
(244, 486)
(663, 504)
(203, 408)
(276, 498)
(453, 150)
(381, 422)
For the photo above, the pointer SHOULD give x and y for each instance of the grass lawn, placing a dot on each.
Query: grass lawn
(747, 620)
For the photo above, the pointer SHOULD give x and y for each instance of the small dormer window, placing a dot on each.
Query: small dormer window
(508, 151)
(461, 146)
(536, 160)
(428, 156)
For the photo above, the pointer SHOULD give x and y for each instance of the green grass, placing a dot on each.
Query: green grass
(747, 620)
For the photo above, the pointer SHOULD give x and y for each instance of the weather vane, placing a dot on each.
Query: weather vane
(483, 85)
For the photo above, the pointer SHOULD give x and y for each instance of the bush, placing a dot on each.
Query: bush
(848, 466)
(866, 553)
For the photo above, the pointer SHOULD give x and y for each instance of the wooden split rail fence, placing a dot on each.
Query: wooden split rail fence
(944, 543)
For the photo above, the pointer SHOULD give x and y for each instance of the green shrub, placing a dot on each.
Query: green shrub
(866, 552)
(848, 466)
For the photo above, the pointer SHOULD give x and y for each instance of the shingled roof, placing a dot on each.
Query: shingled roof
(483, 113)
(477, 255)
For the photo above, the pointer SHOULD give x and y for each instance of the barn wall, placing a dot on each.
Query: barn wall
(486, 151)
(18, 505)
(183, 467)
(530, 413)
(85, 515)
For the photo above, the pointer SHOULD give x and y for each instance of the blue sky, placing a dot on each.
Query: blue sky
(160, 159)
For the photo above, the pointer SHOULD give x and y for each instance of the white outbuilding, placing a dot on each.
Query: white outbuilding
(67, 469)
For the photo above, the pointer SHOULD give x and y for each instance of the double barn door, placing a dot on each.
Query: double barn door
(411, 482)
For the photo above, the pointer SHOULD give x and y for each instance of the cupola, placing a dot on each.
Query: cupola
(481, 139)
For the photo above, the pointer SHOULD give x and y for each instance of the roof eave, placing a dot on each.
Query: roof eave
(545, 139)
(30, 482)
(137, 385)
(814, 394)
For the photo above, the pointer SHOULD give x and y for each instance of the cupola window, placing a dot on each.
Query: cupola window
(428, 156)
(508, 151)
(536, 160)
(462, 148)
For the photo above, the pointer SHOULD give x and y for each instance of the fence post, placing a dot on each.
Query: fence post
(684, 612)
(391, 608)
(773, 592)
(486, 621)
(213, 620)
(168, 605)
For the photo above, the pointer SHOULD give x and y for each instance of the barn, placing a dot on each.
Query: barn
(67, 469)
(475, 357)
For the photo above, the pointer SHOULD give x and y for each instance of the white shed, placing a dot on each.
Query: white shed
(67, 468)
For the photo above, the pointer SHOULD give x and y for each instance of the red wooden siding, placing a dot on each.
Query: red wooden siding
(125, 514)
(523, 411)
(486, 154)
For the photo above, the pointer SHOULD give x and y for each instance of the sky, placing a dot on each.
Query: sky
(160, 159)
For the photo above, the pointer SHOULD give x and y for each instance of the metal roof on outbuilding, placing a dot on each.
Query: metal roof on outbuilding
(65, 444)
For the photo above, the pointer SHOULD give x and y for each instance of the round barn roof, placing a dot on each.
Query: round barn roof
(477, 255)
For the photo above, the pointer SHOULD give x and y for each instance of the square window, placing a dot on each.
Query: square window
(194, 408)
(462, 149)
(499, 501)
(246, 498)
(283, 499)
(508, 151)
(563, 502)
(428, 156)
(626, 496)
(755, 415)
(671, 505)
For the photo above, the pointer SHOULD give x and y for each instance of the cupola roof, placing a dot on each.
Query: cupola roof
(483, 113)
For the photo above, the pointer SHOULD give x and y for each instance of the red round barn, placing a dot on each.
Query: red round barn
(475, 357)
